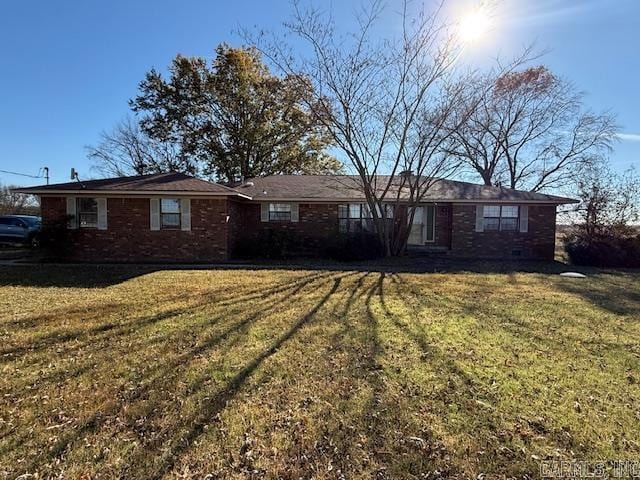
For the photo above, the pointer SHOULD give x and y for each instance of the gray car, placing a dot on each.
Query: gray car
(19, 229)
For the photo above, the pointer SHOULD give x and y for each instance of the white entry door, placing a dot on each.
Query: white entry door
(416, 235)
(424, 227)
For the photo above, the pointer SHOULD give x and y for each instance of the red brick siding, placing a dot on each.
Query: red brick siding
(235, 209)
(443, 226)
(317, 223)
(129, 238)
(537, 243)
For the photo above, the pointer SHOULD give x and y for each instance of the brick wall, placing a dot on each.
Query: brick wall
(129, 238)
(318, 223)
(443, 226)
(537, 243)
(212, 239)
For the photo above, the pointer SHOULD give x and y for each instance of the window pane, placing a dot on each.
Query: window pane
(343, 225)
(343, 211)
(389, 210)
(429, 220)
(418, 214)
(367, 224)
(171, 220)
(280, 216)
(509, 224)
(87, 212)
(170, 205)
(510, 211)
(491, 211)
(88, 219)
(280, 207)
(354, 225)
(491, 223)
(87, 205)
(354, 210)
(366, 211)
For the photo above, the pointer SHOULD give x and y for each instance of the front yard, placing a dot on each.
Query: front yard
(117, 372)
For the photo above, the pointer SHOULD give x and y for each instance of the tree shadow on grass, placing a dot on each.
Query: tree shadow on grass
(196, 423)
(472, 397)
(88, 335)
(163, 372)
(377, 411)
(494, 424)
(103, 275)
(618, 294)
(62, 375)
(71, 276)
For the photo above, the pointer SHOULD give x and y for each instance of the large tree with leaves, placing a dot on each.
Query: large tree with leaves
(233, 117)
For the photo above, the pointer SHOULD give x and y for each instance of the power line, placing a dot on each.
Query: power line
(21, 174)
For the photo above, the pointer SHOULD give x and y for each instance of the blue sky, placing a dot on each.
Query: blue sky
(69, 67)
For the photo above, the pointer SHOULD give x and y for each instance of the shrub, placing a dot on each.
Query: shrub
(610, 249)
(272, 244)
(355, 247)
(55, 239)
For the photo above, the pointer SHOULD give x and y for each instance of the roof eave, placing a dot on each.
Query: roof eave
(235, 193)
(555, 201)
(44, 191)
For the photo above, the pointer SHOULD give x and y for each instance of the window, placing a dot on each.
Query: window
(279, 212)
(170, 213)
(509, 218)
(430, 222)
(12, 222)
(505, 217)
(87, 211)
(389, 210)
(355, 217)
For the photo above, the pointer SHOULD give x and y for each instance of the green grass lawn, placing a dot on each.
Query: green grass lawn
(117, 372)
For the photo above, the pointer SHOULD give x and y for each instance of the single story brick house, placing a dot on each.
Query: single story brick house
(173, 217)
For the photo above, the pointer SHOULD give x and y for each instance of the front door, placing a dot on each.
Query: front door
(423, 228)
(416, 234)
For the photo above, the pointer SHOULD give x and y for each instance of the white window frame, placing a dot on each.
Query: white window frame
(276, 211)
(163, 213)
(500, 217)
(80, 213)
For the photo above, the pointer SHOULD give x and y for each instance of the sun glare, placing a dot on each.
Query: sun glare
(474, 25)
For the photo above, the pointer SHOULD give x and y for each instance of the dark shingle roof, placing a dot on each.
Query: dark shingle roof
(297, 187)
(347, 187)
(159, 182)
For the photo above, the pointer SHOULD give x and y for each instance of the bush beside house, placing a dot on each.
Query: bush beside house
(613, 248)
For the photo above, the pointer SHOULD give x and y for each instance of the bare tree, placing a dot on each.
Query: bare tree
(387, 104)
(12, 203)
(528, 129)
(126, 150)
(609, 201)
